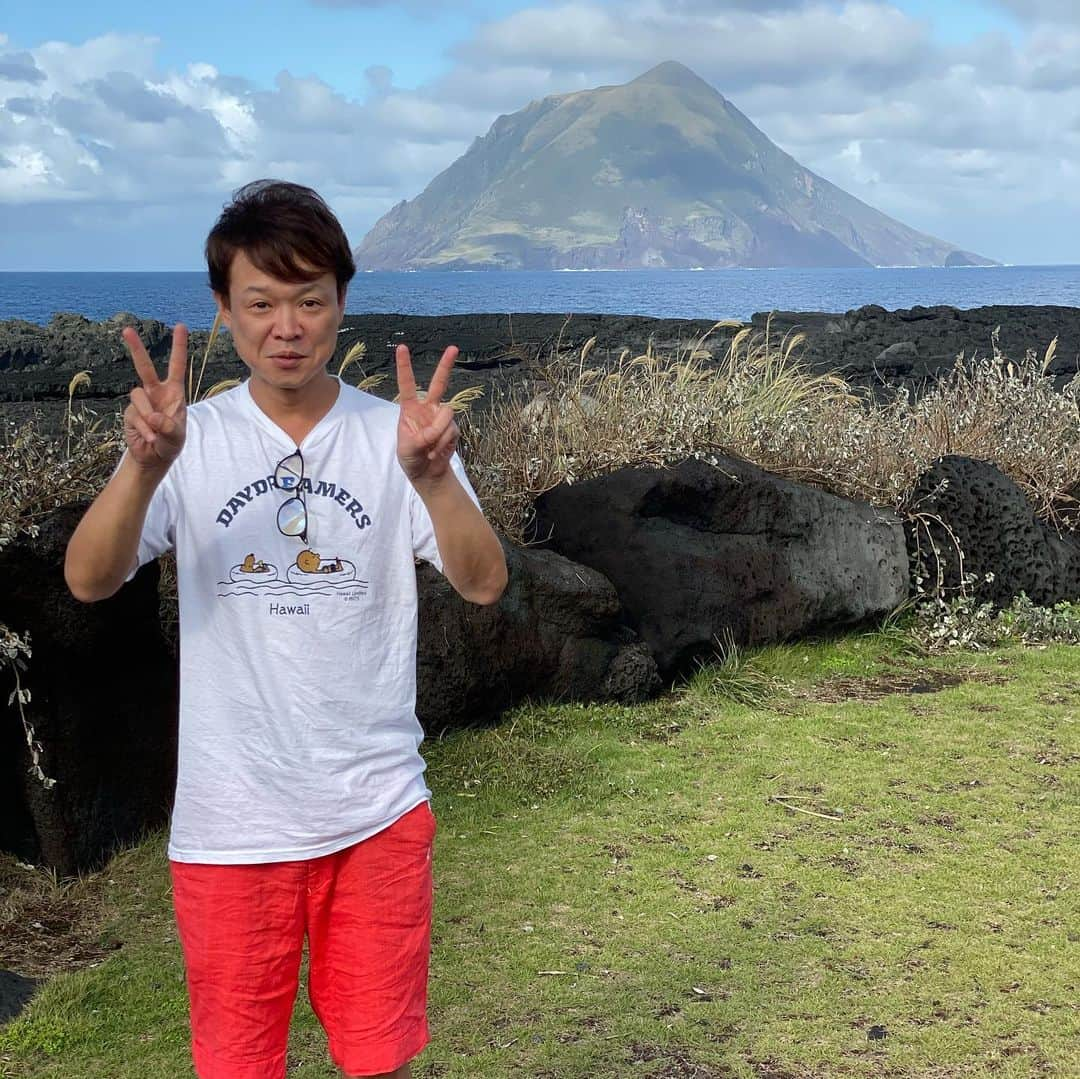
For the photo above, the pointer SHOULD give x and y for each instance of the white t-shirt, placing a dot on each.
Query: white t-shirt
(298, 730)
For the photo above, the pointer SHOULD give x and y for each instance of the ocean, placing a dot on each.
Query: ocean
(708, 294)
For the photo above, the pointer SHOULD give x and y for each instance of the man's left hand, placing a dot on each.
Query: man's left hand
(427, 432)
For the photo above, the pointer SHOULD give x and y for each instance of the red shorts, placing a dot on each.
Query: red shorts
(366, 911)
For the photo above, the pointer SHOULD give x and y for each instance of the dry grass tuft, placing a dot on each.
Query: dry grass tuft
(369, 382)
(586, 421)
(762, 404)
(354, 355)
(78, 382)
(39, 473)
(193, 389)
(992, 409)
(221, 387)
(461, 400)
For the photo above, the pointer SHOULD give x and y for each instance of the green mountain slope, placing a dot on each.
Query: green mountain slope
(660, 172)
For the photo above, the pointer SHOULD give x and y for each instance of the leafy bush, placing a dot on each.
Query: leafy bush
(943, 625)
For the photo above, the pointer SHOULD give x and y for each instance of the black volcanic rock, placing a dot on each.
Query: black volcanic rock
(15, 993)
(71, 343)
(555, 634)
(696, 551)
(916, 346)
(662, 172)
(998, 532)
(75, 343)
(103, 706)
(21, 344)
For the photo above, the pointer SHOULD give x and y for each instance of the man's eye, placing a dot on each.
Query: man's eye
(312, 303)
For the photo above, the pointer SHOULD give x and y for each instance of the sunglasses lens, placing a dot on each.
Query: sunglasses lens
(292, 517)
(289, 473)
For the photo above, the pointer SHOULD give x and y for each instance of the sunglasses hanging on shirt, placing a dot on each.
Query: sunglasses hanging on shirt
(292, 515)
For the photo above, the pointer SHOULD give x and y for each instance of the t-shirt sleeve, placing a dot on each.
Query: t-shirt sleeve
(423, 531)
(159, 528)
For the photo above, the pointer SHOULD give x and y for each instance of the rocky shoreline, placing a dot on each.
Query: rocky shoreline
(869, 346)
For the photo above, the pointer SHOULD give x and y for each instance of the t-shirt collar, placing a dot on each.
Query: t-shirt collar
(316, 434)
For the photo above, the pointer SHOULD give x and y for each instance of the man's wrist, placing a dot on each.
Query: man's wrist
(434, 488)
(146, 475)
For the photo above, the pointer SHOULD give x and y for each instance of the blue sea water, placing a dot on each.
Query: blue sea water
(708, 294)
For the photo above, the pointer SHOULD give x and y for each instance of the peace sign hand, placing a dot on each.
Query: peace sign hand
(155, 422)
(427, 432)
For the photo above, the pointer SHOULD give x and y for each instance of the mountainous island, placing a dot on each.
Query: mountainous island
(662, 172)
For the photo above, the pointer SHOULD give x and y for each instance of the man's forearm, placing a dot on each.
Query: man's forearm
(472, 556)
(104, 548)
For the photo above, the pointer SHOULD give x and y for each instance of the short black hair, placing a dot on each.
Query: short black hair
(287, 231)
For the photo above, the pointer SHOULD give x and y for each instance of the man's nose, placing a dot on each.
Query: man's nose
(286, 323)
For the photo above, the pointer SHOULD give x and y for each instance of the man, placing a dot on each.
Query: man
(296, 505)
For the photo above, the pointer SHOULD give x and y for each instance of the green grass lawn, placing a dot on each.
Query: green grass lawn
(873, 872)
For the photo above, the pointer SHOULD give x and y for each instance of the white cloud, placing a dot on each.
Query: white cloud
(98, 127)
(67, 65)
(734, 48)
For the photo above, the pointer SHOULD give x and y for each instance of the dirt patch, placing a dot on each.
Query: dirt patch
(769, 1069)
(905, 683)
(674, 1063)
(664, 731)
(48, 927)
(1052, 756)
(947, 821)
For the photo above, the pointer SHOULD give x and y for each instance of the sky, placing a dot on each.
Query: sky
(125, 126)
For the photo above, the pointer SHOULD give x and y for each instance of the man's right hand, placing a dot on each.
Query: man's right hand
(155, 422)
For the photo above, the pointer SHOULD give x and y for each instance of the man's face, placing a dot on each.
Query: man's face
(285, 332)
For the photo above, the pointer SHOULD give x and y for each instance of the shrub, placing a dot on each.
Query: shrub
(943, 625)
